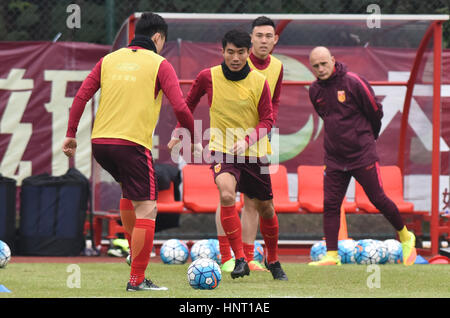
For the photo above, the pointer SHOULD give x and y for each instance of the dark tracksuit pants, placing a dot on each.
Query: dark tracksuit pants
(335, 187)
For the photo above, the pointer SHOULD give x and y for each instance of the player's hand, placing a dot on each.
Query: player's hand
(172, 143)
(69, 146)
(239, 147)
(197, 150)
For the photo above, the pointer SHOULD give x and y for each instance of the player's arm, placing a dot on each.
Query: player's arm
(313, 97)
(370, 105)
(265, 123)
(276, 97)
(169, 84)
(198, 88)
(87, 89)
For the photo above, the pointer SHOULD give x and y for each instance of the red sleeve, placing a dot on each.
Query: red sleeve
(276, 96)
(201, 86)
(88, 88)
(265, 117)
(170, 86)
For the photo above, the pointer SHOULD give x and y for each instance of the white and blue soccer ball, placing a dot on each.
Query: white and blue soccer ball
(258, 252)
(346, 251)
(394, 250)
(367, 252)
(215, 248)
(204, 273)
(203, 249)
(5, 254)
(318, 250)
(174, 251)
(383, 251)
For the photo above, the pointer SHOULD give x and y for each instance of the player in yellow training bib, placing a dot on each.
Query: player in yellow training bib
(241, 116)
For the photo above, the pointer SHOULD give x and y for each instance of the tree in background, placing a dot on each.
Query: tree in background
(37, 20)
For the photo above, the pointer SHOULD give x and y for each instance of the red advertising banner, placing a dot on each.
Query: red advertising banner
(300, 129)
(38, 81)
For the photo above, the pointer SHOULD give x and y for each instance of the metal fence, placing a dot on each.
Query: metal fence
(97, 21)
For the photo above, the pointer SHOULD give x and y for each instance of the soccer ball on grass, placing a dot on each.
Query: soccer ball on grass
(367, 252)
(318, 250)
(174, 251)
(204, 273)
(258, 252)
(346, 251)
(5, 254)
(203, 249)
(394, 251)
(215, 250)
(383, 251)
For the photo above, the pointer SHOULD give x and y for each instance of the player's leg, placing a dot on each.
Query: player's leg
(250, 222)
(105, 155)
(229, 218)
(142, 244)
(256, 186)
(132, 167)
(370, 180)
(269, 228)
(231, 223)
(128, 218)
(139, 185)
(224, 246)
(270, 231)
(335, 184)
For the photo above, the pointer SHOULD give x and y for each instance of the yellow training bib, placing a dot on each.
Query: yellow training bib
(234, 112)
(128, 108)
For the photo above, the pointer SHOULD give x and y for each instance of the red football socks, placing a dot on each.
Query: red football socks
(269, 230)
(231, 224)
(128, 218)
(249, 250)
(225, 249)
(141, 245)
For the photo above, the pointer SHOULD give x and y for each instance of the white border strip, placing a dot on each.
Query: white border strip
(299, 17)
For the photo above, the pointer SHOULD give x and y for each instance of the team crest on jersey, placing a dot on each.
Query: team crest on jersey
(217, 168)
(341, 96)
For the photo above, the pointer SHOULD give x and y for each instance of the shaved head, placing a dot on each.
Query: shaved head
(320, 51)
(322, 62)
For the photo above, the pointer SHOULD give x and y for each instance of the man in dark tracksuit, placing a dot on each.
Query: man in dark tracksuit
(352, 121)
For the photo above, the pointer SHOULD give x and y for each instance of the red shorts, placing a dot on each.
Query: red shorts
(250, 176)
(131, 166)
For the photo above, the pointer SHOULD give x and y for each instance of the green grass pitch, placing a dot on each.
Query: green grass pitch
(105, 280)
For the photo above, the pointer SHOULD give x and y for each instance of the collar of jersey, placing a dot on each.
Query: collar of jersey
(144, 42)
(235, 76)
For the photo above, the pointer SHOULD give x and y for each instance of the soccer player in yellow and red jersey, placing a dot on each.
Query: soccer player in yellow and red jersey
(263, 39)
(132, 80)
(240, 118)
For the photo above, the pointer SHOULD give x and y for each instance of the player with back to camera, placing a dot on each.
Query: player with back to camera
(263, 39)
(240, 117)
(132, 80)
(352, 119)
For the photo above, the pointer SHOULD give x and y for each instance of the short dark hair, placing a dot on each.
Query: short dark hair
(239, 38)
(151, 23)
(262, 20)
